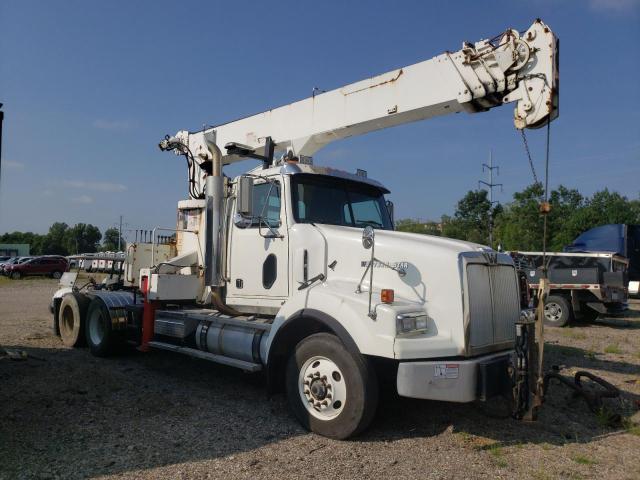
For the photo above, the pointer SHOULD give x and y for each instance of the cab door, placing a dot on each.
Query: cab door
(259, 250)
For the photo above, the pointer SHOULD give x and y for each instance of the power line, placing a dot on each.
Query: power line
(490, 167)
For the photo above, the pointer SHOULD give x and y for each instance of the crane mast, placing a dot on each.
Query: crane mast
(510, 68)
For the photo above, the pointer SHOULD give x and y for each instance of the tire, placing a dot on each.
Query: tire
(557, 311)
(56, 275)
(101, 338)
(72, 318)
(16, 275)
(348, 378)
(55, 323)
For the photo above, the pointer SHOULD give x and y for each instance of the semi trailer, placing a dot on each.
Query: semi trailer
(294, 269)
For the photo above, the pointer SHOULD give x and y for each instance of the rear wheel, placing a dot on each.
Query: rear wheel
(101, 338)
(331, 391)
(557, 311)
(72, 319)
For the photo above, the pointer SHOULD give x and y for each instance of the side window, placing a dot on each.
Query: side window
(366, 210)
(266, 203)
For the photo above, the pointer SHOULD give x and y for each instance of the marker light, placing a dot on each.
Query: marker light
(386, 295)
(411, 322)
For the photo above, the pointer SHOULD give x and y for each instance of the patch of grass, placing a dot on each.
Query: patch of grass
(630, 427)
(574, 334)
(603, 417)
(465, 436)
(613, 348)
(498, 455)
(541, 475)
(591, 355)
(546, 446)
(582, 460)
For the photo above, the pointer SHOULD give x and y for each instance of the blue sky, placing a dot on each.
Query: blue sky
(89, 88)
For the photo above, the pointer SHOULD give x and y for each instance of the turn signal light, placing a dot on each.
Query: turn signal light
(386, 295)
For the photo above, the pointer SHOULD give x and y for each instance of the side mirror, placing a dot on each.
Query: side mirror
(368, 237)
(244, 199)
(241, 221)
(390, 209)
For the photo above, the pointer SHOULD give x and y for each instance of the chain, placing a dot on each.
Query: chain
(526, 147)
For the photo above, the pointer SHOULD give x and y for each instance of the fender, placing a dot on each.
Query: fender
(301, 324)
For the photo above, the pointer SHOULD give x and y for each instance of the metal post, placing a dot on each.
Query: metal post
(491, 185)
(1, 120)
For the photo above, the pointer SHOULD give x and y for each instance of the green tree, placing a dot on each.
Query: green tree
(471, 219)
(83, 238)
(417, 226)
(110, 240)
(605, 207)
(54, 242)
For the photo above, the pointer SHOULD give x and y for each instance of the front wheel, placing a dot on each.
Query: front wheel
(557, 311)
(332, 391)
(16, 275)
(56, 275)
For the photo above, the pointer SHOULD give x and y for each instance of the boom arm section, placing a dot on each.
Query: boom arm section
(510, 68)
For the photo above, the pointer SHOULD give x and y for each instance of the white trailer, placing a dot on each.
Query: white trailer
(295, 269)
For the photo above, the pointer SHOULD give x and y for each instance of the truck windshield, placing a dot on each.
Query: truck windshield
(336, 201)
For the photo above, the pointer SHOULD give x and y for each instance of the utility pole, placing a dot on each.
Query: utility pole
(491, 186)
(120, 234)
(1, 120)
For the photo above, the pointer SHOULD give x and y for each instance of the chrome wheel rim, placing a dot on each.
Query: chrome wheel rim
(322, 388)
(553, 311)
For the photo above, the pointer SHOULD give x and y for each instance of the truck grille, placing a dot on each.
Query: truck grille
(494, 306)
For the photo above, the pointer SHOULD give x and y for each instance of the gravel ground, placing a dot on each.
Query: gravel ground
(66, 414)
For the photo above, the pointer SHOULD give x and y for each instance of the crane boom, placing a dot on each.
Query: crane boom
(510, 68)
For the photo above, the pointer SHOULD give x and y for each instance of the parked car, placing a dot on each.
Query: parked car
(12, 261)
(53, 266)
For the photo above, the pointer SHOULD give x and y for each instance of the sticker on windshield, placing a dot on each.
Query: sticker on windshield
(446, 370)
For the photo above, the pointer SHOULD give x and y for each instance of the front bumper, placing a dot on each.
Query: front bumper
(454, 380)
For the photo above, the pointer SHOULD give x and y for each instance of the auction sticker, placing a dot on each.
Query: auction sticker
(445, 370)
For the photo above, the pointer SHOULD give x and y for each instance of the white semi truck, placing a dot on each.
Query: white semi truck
(295, 269)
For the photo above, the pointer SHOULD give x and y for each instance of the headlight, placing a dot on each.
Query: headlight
(411, 322)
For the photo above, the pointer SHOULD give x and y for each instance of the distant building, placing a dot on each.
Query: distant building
(14, 249)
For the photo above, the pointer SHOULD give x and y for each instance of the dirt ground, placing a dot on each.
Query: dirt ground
(66, 414)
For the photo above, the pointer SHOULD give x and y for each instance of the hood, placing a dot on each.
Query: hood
(432, 279)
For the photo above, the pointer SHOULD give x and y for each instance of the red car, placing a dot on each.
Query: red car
(49, 265)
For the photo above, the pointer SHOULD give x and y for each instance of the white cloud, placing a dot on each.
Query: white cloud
(617, 6)
(113, 124)
(13, 164)
(95, 186)
(83, 199)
